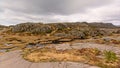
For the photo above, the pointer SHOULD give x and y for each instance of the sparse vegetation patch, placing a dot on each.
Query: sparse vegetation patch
(53, 55)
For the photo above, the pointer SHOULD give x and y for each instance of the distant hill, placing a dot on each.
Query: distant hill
(2, 26)
(102, 25)
(66, 24)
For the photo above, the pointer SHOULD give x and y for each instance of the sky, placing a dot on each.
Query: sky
(48, 11)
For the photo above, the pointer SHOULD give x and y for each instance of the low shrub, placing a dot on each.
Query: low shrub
(110, 56)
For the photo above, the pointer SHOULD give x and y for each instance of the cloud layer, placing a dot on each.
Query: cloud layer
(18, 11)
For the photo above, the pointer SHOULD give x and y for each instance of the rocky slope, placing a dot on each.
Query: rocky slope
(79, 30)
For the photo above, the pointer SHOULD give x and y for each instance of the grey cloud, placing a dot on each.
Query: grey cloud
(1, 10)
(52, 6)
(18, 11)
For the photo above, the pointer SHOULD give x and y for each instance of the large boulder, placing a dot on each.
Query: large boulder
(42, 30)
(77, 34)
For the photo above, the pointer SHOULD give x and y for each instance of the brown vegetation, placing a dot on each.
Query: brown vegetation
(53, 55)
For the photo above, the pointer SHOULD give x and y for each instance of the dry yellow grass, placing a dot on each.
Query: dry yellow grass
(48, 56)
(23, 38)
(16, 40)
(51, 55)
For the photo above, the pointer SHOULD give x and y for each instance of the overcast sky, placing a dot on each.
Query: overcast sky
(20, 11)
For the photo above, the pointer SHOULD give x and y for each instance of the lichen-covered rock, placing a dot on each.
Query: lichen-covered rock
(25, 27)
(63, 35)
(77, 34)
(59, 26)
(36, 28)
(42, 30)
(66, 30)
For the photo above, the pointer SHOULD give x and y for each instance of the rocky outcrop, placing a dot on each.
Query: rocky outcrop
(2, 27)
(77, 30)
